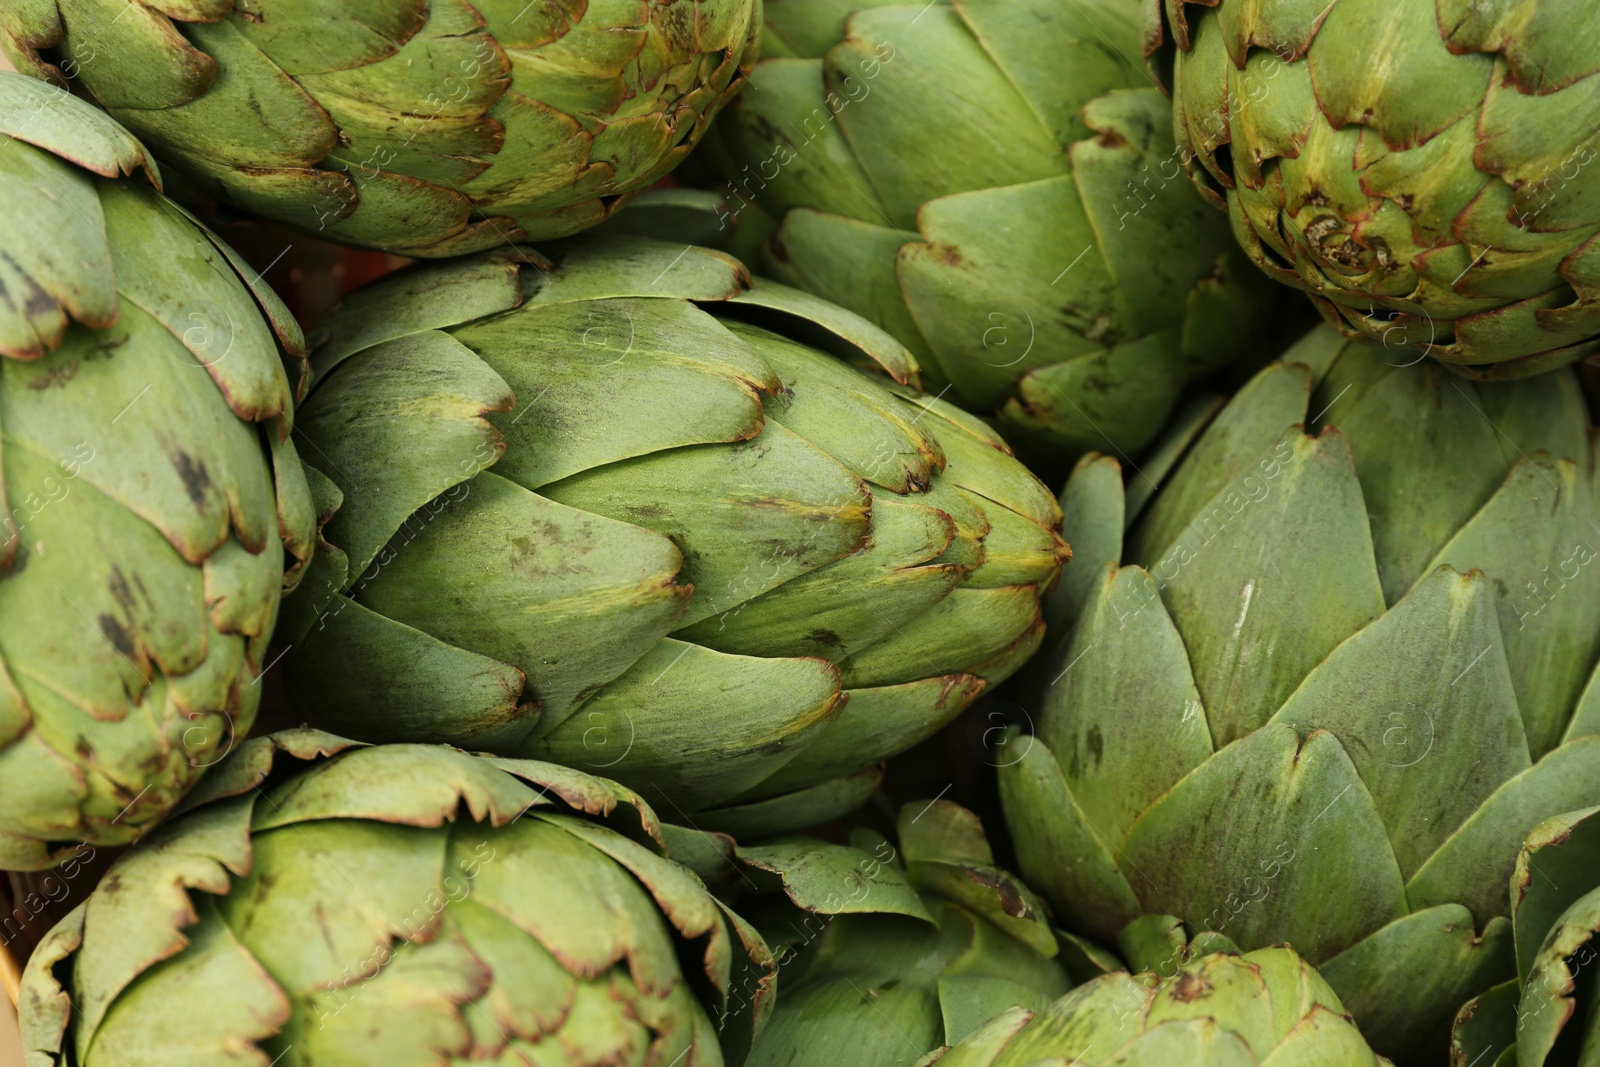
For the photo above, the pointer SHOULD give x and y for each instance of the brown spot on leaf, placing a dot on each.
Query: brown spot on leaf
(957, 683)
(1006, 891)
(1111, 138)
(39, 304)
(117, 634)
(56, 376)
(196, 479)
(1188, 988)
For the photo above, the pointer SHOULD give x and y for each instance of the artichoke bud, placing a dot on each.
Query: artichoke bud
(324, 902)
(152, 508)
(1267, 1006)
(1048, 264)
(1305, 694)
(1431, 160)
(627, 509)
(421, 127)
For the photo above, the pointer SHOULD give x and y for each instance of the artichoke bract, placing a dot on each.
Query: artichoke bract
(1221, 1010)
(616, 511)
(1548, 1013)
(887, 953)
(150, 496)
(422, 127)
(1424, 170)
(1345, 655)
(1031, 236)
(322, 902)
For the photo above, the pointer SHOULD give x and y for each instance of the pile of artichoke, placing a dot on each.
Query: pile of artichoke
(819, 543)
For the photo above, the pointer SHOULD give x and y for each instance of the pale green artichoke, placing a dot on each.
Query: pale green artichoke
(1550, 1013)
(409, 905)
(1424, 169)
(594, 513)
(994, 183)
(886, 953)
(424, 127)
(149, 490)
(1264, 1008)
(1343, 658)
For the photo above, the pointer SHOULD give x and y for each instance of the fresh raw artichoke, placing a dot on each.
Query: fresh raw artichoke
(595, 514)
(424, 127)
(1550, 1013)
(1221, 1010)
(994, 183)
(408, 905)
(1424, 169)
(1326, 677)
(148, 485)
(886, 954)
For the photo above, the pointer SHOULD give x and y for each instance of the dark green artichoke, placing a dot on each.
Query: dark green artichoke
(994, 183)
(1550, 1013)
(149, 490)
(1265, 1008)
(410, 905)
(1345, 656)
(887, 953)
(1424, 169)
(424, 127)
(617, 511)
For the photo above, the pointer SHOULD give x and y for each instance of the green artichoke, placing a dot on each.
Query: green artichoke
(144, 513)
(886, 954)
(594, 513)
(1548, 1014)
(424, 127)
(1028, 234)
(1221, 1010)
(409, 905)
(1422, 169)
(1345, 656)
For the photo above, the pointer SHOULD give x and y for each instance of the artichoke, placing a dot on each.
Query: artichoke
(1045, 261)
(1221, 1010)
(1549, 1013)
(593, 512)
(1422, 169)
(144, 513)
(1345, 656)
(405, 905)
(886, 954)
(423, 127)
